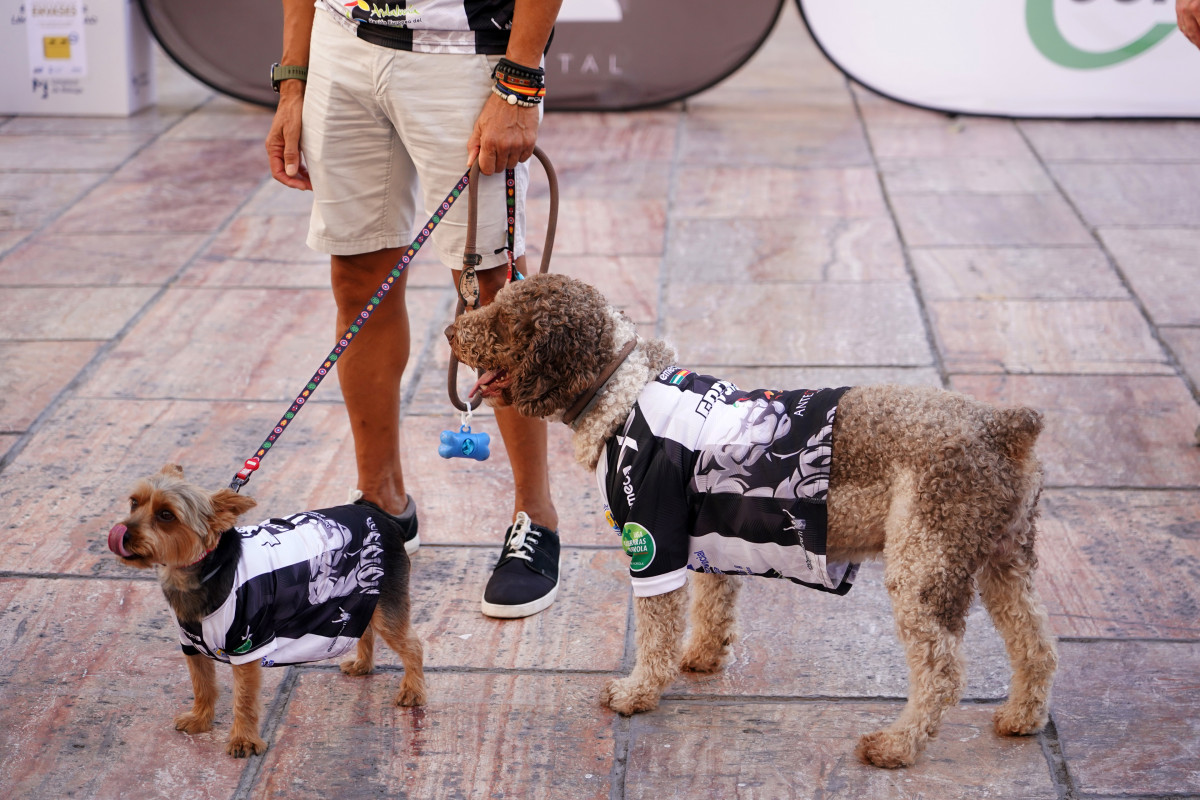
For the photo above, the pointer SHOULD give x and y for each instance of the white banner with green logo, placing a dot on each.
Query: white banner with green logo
(1022, 58)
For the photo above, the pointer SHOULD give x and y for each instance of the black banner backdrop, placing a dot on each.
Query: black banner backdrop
(607, 55)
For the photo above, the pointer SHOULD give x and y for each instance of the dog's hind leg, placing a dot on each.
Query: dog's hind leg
(713, 615)
(931, 556)
(1008, 592)
(658, 630)
(247, 689)
(364, 655)
(204, 693)
(937, 675)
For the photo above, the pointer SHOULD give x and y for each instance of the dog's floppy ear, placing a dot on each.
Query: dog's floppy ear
(567, 334)
(228, 505)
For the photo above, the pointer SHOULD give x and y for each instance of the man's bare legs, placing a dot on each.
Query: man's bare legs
(370, 371)
(370, 374)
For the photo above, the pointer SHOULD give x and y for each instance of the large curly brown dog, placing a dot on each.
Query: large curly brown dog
(942, 486)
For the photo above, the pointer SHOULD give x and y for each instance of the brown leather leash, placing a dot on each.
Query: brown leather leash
(468, 282)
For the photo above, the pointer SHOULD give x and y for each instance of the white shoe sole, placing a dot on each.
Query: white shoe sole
(523, 610)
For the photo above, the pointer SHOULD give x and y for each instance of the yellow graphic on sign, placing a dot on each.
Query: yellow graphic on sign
(58, 47)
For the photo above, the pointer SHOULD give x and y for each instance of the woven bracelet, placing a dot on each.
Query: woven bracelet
(517, 74)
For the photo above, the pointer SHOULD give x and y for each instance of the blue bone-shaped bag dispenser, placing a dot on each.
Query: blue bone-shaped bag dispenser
(465, 444)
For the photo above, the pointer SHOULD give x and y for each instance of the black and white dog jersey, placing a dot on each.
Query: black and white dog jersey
(707, 477)
(304, 589)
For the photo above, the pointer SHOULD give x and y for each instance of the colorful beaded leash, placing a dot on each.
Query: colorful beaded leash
(243, 475)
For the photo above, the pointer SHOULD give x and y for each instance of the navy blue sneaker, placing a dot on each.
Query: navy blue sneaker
(525, 579)
(407, 519)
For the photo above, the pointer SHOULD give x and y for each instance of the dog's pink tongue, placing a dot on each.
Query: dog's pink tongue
(116, 541)
(483, 381)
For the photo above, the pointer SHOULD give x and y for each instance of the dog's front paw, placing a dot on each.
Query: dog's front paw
(242, 746)
(1019, 719)
(628, 696)
(411, 694)
(356, 667)
(887, 749)
(191, 722)
(704, 658)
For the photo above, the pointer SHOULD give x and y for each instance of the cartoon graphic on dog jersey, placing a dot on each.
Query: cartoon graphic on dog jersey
(729, 468)
(811, 476)
(339, 571)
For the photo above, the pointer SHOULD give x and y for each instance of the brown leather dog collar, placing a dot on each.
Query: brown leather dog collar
(581, 402)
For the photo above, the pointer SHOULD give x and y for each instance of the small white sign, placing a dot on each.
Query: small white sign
(56, 40)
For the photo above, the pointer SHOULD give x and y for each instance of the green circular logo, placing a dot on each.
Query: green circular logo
(638, 544)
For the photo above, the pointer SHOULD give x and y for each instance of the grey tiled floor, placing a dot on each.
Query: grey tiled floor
(784, 228)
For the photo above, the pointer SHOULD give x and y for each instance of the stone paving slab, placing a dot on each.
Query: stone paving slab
(965, 175)
(101, 259)
(1161, 268)
(1114, 140)
(1096, 585)
(267, 238)
(766, 751)
(90, 684)
(1185, 344)
(1138, 700)
(36, 373)
(734, 251)
(1110, 337)
(501, 735)
(263, 343)
(1105, 431)
(153, 206)
(589, 634)
(28, 199)
(62, 313)
(1016, 273)
(995, 220)
(836, 141)
(1148, 195)
(775, 192)
(84, 153)
(790, 324)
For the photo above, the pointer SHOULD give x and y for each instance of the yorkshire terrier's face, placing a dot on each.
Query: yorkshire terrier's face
(172, 522)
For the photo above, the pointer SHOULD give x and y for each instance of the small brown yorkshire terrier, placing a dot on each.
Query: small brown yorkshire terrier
(287, 591)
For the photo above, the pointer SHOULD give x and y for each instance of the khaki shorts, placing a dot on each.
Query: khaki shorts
(385, 127)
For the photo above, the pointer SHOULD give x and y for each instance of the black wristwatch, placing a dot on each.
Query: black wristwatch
(284, 73)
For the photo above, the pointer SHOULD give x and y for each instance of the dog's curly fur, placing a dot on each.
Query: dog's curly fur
(941, 486)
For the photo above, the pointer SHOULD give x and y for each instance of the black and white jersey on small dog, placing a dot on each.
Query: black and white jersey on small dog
(305, 589)
(706, 477)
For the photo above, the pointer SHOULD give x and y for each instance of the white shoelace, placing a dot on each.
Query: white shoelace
(523, 538)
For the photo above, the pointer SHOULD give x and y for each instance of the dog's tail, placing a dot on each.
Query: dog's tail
(1015, 430)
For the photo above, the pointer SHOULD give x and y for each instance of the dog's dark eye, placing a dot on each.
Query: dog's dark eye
(165, 516)
(133, 504)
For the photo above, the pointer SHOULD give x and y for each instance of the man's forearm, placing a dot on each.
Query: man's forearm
(532, 22)
(297, 31)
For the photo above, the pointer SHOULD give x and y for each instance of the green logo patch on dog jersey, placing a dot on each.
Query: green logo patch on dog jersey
(638, 544)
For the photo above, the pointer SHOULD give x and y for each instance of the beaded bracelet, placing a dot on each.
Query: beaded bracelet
(515, 96)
